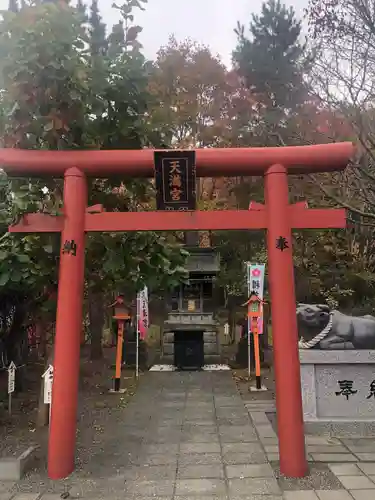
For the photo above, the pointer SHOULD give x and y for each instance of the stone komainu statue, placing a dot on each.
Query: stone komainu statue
(321, 328)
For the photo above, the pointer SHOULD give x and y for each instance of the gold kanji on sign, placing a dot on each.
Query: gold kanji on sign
(175, 167)
(175, 180)
(176, 194)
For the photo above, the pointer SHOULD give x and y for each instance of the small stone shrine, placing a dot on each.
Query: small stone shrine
(190, 337)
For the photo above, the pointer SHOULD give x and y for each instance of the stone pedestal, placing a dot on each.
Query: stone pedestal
(338, 387)
(191, 322)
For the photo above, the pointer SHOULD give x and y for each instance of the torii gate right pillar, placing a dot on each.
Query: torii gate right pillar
(284, 325)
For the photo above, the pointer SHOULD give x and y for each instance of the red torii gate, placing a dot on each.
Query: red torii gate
(277, 216)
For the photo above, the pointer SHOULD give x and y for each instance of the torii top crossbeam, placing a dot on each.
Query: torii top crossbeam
(210, 162)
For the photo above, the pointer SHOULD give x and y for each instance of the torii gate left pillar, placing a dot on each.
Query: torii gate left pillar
(277, 216)
(62, 440)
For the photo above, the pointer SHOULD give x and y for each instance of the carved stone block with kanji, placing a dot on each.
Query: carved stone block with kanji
(338, 386)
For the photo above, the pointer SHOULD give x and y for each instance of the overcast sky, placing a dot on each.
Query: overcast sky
(207, 21)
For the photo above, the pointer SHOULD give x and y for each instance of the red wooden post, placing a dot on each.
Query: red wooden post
(284, 325)
(68, 328)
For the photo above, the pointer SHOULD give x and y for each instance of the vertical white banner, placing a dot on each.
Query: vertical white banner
(255, 283)
(143, 320)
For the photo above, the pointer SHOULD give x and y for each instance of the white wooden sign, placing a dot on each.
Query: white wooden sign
(226, 329)
(48, 380)
(11, 378)
(11, 384)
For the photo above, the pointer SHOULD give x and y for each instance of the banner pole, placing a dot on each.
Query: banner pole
(257, 361)
(137, 338)
(248, 352)
(120, 343)
(248, 323)
(255, 285)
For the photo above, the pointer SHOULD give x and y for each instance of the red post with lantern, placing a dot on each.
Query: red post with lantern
(255, 311)
(121, 314)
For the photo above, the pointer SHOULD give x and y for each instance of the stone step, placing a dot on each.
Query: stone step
(263, 408)
(208, 337)
(211, 359)
(208, 349)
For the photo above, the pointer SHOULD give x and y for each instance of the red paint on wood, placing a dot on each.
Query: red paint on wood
(255, 206)
(38, 223)
(211, 162)
(172, 221)
(284, 326)
(300, 204)
(317, 218)
(184, 221)
(95, 209)
(62, 438)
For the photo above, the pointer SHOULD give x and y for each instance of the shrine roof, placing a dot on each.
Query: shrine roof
(203, 262)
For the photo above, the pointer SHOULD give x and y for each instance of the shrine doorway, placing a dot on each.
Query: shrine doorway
(188, 350)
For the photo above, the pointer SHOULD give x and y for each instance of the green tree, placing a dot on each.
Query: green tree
(342, 78)
(13, 6)
(343, 81)
(58, 96)
(98, 40)
(82, 10)
(272, 58)
(199, 103)
(276, 65)
(191, 105)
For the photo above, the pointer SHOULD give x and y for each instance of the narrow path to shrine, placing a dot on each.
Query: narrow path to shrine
(183, 434)
(199, 439)
(189, 436)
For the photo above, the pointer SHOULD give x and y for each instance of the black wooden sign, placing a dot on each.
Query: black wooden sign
(175, 180)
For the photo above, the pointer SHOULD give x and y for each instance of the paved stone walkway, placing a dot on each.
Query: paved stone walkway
(189, 436)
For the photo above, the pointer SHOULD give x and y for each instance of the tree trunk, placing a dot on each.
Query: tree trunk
(232, 322)
(16, 345)
(96, 318)
(41, 338)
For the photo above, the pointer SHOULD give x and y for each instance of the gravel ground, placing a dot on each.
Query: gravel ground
(18, 431)
(98, 411)
(243, 385)
(319, 478)
(125, 444)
